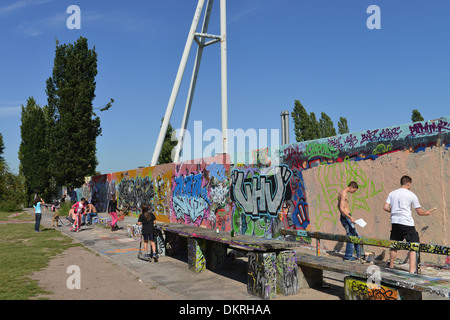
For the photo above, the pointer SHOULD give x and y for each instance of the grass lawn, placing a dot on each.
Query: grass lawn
(23, 251)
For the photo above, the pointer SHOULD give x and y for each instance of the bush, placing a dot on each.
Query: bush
(65, 208)
(9, 206)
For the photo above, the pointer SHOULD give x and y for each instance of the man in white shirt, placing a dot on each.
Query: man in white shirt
(399, 204)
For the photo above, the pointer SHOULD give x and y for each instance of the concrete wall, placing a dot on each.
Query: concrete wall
(214, 193)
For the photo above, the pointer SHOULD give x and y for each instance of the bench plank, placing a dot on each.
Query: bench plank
(388, 276)
(238, 241)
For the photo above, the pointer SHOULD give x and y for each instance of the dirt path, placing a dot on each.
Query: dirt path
(100, 279)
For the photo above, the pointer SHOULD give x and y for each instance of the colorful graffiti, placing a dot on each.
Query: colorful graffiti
(200, 193)
(213, 193)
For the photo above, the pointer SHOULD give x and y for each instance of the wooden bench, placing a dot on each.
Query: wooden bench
(389, 283)
(271, 268)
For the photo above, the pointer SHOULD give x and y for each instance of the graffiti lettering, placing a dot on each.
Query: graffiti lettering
(420, 247)
(421, 129)
(134, 193)
(381, 148)
(315, 149)
(216, 171)
(190, 198)
(263, 194)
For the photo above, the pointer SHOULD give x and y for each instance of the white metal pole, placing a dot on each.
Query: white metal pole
(282, 129)
(198, 59)
(176, 86)
(223, 63)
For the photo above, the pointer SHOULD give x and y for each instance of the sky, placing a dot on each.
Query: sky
(320, 52)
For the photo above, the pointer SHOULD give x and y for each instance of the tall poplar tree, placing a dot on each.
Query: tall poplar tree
(33, 154)
(301, 121)
(313, 132)
(343, 126)
(73, 127)
(326, 126)
(306, 126)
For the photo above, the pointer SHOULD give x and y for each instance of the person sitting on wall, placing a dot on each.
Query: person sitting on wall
(90, 212)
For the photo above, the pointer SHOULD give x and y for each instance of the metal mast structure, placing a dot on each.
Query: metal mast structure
(200, 39)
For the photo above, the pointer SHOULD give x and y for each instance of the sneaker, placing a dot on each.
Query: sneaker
(352, 259)
(155, 258)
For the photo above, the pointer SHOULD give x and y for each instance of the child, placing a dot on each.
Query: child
(147, 220)
(78, 211)
(37, 213)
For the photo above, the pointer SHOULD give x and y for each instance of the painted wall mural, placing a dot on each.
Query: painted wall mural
(200, 193)
(247, 198)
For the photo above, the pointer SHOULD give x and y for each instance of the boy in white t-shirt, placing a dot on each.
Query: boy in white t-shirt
(399, 204)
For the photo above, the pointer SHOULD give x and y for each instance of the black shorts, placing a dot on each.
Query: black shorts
(147, 237)
(400, 232)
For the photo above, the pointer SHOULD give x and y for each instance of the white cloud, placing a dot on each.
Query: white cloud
(21, 4)
(38, 27)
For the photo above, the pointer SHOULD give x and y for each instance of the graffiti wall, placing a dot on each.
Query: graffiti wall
(133, 189)
(200, 193)
(307, 176)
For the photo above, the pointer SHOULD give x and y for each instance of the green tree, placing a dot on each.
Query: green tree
(73, 127)
(416, 116)
(166, 149)
(306, 126)
(301, 121)
(313, 131)
(343, 126)
(33, 153)
(326, 126)
(12, 194)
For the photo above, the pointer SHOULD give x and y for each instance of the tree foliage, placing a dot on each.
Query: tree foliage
(12, 194)
(73, 127)
(343, 126)
(301, 121)
(326, 126)
(306, 126)
(33, 152)
(416, 116)
(166, 149)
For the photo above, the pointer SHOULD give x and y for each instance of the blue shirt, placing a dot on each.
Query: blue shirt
(37, 207)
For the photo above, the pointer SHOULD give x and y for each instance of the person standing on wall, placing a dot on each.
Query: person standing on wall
(348, 222)
(37, 213)
(398, 204)
(112, 210)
